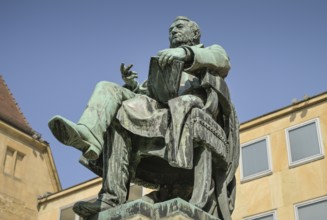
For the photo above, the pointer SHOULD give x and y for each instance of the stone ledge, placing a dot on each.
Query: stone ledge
(175, 209)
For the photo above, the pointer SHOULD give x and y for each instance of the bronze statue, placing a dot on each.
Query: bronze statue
(176, 132)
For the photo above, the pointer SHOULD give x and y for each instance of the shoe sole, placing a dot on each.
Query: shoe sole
(65, 132)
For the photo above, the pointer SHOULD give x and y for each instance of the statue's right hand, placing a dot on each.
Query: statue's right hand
(128, 75)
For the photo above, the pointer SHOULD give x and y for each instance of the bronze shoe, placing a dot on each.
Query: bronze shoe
(87, 209)
(67, 132)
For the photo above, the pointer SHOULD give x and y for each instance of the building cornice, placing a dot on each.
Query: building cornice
(282, 112)
(71, 190)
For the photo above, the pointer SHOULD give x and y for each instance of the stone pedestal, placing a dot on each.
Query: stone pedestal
(175, 209)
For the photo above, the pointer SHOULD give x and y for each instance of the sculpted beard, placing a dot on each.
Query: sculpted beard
(182, 40)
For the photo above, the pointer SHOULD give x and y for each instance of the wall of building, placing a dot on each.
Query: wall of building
(50, 207)
(26, 172)
(284, 186)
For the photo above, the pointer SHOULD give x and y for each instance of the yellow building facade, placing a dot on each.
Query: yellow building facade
(27, 169)
(283, 169)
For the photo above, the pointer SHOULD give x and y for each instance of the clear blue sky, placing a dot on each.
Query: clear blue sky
(52, 53)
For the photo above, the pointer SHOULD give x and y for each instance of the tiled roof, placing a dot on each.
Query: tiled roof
(10, 112)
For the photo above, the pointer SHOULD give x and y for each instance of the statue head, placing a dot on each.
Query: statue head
(183, 31)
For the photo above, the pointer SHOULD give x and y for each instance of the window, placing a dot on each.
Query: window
(9, 161)
(14, 163)
(135, 192)
(304, 143)
(315, 209)
(67, 213)
(255, 159)
(18, 170)
(265, 216)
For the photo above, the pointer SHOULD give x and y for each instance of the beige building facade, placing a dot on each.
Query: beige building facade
(283, 168)
(27, 169)
(59, 205)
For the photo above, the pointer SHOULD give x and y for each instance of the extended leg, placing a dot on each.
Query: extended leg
(102, 107)
(87, 134)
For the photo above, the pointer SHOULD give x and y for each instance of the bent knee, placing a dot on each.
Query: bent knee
(106, 84)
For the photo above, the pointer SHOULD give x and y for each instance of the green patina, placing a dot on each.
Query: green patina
(177, 133)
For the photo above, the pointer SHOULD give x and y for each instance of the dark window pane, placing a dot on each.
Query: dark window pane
(67, 214)
(255, 158)
(304, 142)
(315, 211)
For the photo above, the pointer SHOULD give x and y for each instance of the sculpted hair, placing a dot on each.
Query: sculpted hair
(194, 26)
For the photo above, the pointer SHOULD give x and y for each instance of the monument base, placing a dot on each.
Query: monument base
(175, 209)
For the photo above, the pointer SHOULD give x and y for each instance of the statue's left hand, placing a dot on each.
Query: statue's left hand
(168, 55)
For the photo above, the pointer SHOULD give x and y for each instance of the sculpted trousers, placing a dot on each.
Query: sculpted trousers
(101, 110)
(102, 107)
(116, 175)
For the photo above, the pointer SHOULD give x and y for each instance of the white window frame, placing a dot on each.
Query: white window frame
(308, 159)
(265, 214)
(262, 173)
(309, 202)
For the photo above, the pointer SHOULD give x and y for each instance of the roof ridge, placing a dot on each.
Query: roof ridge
(26, 125)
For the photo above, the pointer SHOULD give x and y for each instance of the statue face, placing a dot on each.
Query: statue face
(180, 33)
